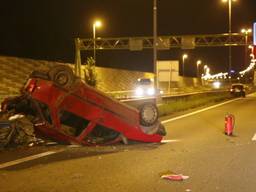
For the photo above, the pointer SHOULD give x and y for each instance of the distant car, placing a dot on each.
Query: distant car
(145, 88)
(70, 111)
(238, 90)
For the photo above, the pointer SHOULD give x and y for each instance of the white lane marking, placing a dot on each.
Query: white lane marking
(29, 158)
(254, 137)
(170, 141)
(196, 112)
(74, 146)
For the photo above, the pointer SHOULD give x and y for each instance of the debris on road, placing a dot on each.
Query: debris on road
(175, 177)
(16, 130)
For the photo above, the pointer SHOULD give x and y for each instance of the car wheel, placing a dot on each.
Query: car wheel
(148, 114)
(62, 76)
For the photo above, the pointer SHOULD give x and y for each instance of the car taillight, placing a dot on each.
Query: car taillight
(30, 86)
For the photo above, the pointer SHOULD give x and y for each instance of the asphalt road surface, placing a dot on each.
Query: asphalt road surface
(195, 146)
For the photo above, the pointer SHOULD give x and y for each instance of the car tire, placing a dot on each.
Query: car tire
(62, 76)
(148, 114)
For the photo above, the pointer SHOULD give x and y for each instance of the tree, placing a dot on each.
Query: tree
(90, 75)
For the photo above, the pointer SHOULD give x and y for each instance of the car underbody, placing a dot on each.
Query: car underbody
(68, 110)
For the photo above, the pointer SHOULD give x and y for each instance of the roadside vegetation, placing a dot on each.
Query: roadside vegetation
(189, 102)
(90, 74)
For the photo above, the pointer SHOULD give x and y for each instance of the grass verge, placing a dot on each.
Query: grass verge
(185, 103)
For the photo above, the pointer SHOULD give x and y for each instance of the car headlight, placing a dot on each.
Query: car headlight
(216, 85)
(139, 91)
(150, 91)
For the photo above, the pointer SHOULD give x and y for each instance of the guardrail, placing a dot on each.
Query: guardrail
(178, 95)
(130, 94)
(135, 102)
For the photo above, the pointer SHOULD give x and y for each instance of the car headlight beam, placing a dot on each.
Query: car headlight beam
(139, 91)
(150, 91)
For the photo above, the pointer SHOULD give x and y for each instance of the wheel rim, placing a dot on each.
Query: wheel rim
(61, 78)
(149, 114)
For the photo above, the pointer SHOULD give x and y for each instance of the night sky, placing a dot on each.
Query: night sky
(45, 29)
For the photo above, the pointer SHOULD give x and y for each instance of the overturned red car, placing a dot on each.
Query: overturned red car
(68, 110)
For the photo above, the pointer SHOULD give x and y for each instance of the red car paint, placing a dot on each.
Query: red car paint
(92, 109)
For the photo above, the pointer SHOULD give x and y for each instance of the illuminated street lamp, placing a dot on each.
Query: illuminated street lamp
(95, 25)
(184, 56)
(198, 63)
(251, 47)
(155, 42)
(205, 67)
(229, 28)
(246, 32)
(208, 70)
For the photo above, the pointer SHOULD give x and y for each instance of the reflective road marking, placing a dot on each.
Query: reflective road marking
(170, 141)
(22, 160)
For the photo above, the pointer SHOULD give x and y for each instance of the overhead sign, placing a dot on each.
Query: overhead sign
(168, 71)
(188, 42)
(254, 34)
(135, 44)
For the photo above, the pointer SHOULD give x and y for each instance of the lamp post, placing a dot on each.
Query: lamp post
(246, 32)
(95, 25)
(205, 67)
(252, 48)
(184, 56)
(198, 63)
(252, 51)
(208, 71)
(155, 43)
(204, 76)
(229, 30)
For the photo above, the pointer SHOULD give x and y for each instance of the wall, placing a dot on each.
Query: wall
(15, 71)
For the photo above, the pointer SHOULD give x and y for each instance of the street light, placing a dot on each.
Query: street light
(208, 71)
(204, 75)
(251, 47)
(246, 32)
(229, 28)
(198, 63)
(155, 43)
(95, 25)
(205, 67)
(184, 56)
